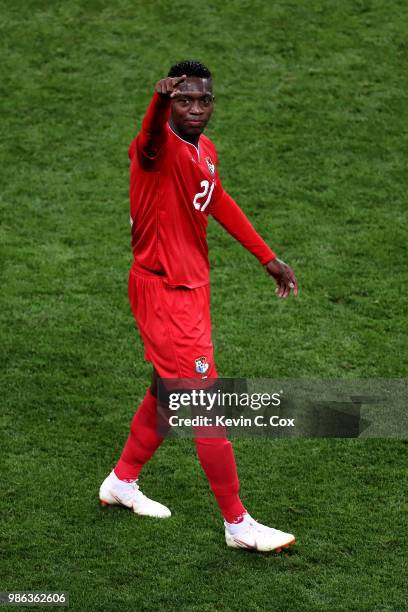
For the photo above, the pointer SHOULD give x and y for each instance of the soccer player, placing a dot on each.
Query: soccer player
(174, 187)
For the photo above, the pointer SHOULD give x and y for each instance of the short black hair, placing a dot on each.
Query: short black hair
(190, 68)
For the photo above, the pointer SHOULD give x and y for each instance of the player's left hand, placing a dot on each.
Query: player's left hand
(284, 277)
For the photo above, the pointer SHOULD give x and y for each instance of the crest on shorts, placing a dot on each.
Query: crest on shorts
(210, 165)
(201, 365)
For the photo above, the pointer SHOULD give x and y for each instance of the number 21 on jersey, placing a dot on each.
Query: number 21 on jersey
(203, 198)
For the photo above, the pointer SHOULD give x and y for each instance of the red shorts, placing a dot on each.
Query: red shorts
(175, 326)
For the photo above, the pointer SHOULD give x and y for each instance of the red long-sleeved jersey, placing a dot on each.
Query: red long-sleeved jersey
(174, 186)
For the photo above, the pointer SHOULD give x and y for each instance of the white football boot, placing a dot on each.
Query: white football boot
(119, 492)
(251, 535)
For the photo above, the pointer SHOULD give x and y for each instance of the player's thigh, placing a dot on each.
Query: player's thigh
(146, 300)
(189, 326)
(175, 326)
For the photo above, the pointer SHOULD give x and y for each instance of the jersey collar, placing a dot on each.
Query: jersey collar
(186, 142)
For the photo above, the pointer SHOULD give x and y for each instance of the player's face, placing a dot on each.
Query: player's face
(191, 109)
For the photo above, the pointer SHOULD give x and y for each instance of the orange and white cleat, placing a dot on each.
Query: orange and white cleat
(121, 493)
(251, 535)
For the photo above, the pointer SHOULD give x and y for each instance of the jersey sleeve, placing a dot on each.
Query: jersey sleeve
(230, 216)
(153, 135)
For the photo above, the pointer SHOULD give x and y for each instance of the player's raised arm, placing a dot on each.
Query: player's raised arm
(227, 212)
(153, 134)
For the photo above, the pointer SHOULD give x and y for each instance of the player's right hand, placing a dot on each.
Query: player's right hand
(169, 86)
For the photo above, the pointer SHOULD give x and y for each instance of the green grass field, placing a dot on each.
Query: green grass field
(310, 128)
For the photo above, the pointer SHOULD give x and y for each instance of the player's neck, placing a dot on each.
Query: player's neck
(192, 139)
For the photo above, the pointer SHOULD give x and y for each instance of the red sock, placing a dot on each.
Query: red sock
(142, 442)
(218, 462)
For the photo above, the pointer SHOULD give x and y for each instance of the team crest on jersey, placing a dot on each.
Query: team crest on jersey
(210, 165)
(201, 365)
